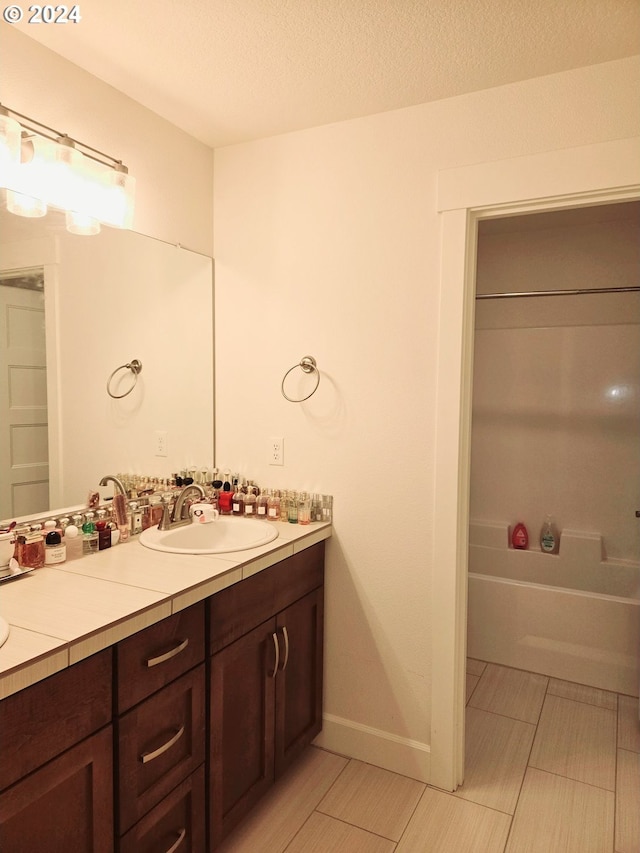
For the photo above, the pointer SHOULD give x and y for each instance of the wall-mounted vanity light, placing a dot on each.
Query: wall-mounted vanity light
(40, 167)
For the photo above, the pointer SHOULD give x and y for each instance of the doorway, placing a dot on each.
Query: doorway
(591, 175)
(556, 377)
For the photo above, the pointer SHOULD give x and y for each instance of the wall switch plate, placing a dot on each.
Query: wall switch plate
(276, 451)
(161, 442)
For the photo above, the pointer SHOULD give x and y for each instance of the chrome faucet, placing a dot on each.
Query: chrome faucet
(179, 518)
(117, 484)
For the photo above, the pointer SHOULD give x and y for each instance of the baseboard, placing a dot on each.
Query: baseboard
(391, 752)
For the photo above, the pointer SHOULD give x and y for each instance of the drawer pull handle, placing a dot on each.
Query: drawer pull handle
(181, 837)
(146, 757)
(285, 634)
(168, 655)
(274, 637)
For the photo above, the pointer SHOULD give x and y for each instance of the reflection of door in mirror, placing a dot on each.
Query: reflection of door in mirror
(24, 454)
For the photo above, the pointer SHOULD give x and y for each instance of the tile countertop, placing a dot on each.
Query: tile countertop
(61, 615)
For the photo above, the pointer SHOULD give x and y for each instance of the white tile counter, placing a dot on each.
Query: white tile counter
(61, 615)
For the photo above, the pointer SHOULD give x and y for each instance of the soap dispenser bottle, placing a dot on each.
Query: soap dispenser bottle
(549, 539)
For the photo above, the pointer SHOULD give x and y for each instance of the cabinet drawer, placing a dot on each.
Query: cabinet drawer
(239, 608)
(160, 742)
(47, 718)
(176, 825)
(159, 654)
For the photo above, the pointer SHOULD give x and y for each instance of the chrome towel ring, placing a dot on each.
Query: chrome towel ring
(135, 367)
(308, 365)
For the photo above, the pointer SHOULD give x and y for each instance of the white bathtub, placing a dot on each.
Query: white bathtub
(573, 615)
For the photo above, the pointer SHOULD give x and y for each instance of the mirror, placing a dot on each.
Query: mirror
(102, 302)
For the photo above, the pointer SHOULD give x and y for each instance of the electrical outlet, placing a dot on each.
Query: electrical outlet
(276, 451)
(161, 442)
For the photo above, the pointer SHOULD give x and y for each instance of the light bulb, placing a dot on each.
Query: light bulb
(118, 198)
(10, 133)
(80, 223)
(25, 205)
(26, 194)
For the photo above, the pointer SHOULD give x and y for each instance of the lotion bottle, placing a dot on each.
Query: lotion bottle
(73, 541)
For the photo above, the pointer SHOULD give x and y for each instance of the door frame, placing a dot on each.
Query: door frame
(589, 175)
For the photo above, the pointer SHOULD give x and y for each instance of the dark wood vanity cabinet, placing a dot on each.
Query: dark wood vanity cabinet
(143, 746)
(56, 763)
(266, 682)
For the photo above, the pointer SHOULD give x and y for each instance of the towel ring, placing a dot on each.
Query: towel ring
(135, 367)
(308, 365)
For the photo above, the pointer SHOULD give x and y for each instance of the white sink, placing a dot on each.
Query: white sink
(4, 630)
(221, 536)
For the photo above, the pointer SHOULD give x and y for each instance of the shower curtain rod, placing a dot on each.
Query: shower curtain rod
(528, 293)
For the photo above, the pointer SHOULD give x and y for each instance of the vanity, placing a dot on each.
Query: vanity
(159, 726)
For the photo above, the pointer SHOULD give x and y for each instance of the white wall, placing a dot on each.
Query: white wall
(556, 410)
(327, 243)
(173, 171)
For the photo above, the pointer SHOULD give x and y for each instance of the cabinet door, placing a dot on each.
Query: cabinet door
(299, 681)
(66, 805)
(241, 729)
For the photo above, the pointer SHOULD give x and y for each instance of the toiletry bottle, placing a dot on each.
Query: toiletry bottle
(292, 508)
(284, 505)
(48, 526)
(29, 551)
(120, 516)
(316, 507)
(262, 504)
(155, 509)
(304, 508)
(135, 518)
(237, 506)
(225, 496)
(73, 541)
(250, 503)
(55, 551)
(520, 537)
(104, 535)
(327, 508)
(273, 506)
(89, 535)
(549, 539)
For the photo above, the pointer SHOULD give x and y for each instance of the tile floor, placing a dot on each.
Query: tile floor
(551, 767)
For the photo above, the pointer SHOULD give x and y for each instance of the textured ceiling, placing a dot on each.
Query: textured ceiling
(233, 70)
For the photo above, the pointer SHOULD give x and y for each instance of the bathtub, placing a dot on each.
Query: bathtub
(574, 615)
